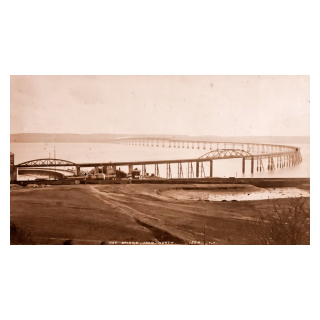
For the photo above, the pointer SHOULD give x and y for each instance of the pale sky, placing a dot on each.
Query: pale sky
(188, 105)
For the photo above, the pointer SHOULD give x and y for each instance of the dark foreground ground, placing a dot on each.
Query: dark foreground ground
(91, 214)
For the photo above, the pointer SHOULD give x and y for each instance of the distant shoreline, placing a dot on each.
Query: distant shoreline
(108, 138)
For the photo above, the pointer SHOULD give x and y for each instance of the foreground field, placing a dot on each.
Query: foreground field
(146, 213)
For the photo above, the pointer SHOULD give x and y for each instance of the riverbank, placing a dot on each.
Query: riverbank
(141, 213)
(258, 182)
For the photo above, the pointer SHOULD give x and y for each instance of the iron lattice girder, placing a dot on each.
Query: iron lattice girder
(226, 153)
(48, 162)
(237, 153)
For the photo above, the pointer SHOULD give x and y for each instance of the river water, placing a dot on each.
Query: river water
(106, 152)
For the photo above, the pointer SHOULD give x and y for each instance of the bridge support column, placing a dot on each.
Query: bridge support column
(13, 173)
(202, 173)
(243, 165)
(144, 170)
(169, 175)
(130, 168)
(190, 170)
(211, 166)
(77, 172)
(96, 170)
(197, 169)
(180, 171)
(252, 164)
(156, 170)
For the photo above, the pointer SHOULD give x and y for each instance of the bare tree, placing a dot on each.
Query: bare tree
(287, 224)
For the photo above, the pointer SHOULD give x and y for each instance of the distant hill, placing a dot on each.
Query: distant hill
(105, 137)
(60, 137)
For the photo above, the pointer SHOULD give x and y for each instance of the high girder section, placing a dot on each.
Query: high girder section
(226, 154)
(47, 162)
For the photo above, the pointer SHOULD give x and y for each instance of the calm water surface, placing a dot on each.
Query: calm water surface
(106, 152)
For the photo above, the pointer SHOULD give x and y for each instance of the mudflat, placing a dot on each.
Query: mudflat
(143, 213)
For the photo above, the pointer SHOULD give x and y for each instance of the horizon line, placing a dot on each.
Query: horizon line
(168, 134)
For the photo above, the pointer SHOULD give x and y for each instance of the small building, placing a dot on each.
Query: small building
(135, 173)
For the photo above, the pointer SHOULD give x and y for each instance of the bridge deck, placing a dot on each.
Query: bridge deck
(150, 162)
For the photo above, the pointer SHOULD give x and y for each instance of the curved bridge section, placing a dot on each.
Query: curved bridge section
(47, 162)
(278, 156)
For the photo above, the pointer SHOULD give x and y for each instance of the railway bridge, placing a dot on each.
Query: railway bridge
(278, 156)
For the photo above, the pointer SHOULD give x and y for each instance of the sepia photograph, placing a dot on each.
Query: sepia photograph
(168, 144)
(160, 160)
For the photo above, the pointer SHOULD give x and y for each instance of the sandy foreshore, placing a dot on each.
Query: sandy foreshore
(234, 192)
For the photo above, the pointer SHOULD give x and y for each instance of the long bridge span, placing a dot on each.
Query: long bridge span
(206, 144)
(278, 156)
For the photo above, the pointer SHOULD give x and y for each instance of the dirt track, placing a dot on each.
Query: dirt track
(142, 213)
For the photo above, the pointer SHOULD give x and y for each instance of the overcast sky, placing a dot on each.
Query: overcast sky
(191, 105)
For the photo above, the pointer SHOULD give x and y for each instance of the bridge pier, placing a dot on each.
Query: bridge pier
(144, 170)
(77, 171)
(211, 167)
(190, 170)
(260, 164)
(197, 169)
(243, 165)
(14, 173)
(96, 170)
(130, 168)
(180, 171)
(156, 170)
(202, 172)
(169, 175)
(252, 164)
